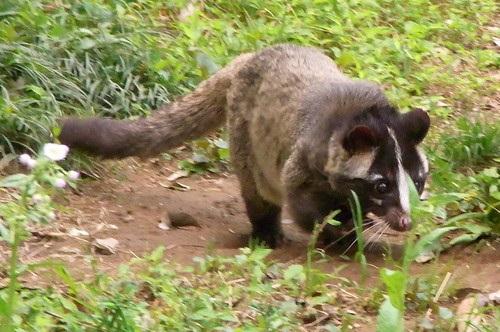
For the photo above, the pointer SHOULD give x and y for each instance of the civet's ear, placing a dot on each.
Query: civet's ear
(360, 139)
(416, 124)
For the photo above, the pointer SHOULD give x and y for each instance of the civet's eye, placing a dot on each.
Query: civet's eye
(381, 187)
(419, 184)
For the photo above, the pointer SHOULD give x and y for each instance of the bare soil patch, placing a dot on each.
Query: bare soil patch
(128, 205)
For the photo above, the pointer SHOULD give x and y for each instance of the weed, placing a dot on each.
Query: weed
(31, 203)
(358, 225)
(474, 144)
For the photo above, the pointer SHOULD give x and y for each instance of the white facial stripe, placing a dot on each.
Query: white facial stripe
(401, 179)
(376, 201)
(423, 160)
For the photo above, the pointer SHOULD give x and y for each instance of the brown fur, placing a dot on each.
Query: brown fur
(287, 108)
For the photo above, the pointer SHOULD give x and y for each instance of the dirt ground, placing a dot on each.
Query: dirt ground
(129, 203)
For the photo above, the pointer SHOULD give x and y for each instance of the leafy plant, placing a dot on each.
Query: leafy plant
(31, 203)
(358, 226)
(474, 143)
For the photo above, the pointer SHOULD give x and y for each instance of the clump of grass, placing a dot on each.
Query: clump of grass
(357, 217)
(78, 58)
(31, 203)
(124, 59)
(473, 143)
(465, 180)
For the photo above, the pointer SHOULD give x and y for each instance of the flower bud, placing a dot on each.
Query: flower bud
(24, 159)
(31, 163)
(37, 198)
(55, 152)
(73, 175)
(59, 183)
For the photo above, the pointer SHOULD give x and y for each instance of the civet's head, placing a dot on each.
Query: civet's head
(379, 154)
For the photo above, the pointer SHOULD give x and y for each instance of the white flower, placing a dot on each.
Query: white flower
(59, 183)
(24, 159)
(37, 198)
(55, 152)
(31, 163)
(73, 175)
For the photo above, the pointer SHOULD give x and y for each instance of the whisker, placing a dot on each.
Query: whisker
(375, 224)
(370, 224)
(372, 216)
(370, 241)
(353, 242)
(372, 237)
(381, 233)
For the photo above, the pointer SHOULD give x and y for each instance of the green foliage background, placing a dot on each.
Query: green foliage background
(125, 58)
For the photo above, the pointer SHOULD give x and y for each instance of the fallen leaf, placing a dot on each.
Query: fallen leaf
(69, 250)
(68, 259)
(77, 232)
(48, 235)
(177, 175)
(179, 186)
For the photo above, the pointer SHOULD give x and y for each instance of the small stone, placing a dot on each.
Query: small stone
(163, 226)
(425, 257)
(494, 297)
(466, 314)
(128, 218)
(106, 246)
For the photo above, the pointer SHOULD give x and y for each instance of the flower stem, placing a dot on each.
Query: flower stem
(8, 325)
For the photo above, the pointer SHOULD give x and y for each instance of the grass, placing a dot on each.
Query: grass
(246, 292)
(124, 59)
